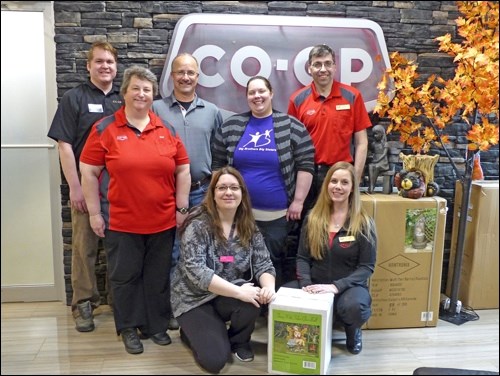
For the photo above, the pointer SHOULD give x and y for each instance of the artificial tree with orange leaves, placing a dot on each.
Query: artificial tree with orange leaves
(421, 112)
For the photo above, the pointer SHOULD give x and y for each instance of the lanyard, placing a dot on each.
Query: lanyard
(231, 233)
(227, 257)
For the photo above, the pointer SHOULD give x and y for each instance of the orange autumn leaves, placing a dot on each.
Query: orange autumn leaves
(417, 111)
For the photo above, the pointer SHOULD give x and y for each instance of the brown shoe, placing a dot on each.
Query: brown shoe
(84, 319)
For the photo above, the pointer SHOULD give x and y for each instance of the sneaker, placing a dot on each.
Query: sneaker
(85, 319)
(173, 324)
(130, 338)
(244, 353)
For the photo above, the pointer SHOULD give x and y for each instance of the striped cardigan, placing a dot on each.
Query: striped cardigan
(293, 143)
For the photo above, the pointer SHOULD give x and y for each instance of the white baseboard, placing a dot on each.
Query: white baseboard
(30, 293)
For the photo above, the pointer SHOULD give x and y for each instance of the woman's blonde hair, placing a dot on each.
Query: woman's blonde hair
(358, 222)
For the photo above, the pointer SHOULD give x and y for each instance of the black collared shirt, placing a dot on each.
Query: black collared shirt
(78, 110)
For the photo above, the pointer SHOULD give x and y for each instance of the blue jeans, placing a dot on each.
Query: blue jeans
(195, 198)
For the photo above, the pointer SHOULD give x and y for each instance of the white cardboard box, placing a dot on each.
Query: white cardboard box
(300, 332)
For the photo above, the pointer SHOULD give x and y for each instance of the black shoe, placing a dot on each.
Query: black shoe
(131, 340)
(161, 339)
(173, 324)
(354, 341)
(244, 353)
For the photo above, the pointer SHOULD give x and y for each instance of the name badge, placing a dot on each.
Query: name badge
(226, 259)
(341, 107)
(344, 239)
(95, 108)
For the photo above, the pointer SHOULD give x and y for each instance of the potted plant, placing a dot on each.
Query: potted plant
(421, 112)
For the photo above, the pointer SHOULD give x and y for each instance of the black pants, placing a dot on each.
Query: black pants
(275, 236)
(351, 308)
(138, 269)
(209, 338)
(318, 178)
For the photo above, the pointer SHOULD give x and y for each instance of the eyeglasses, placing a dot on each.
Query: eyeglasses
(327, 64)
(190, 73)
(224, 188)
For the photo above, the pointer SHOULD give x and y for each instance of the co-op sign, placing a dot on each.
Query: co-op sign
(232, 48)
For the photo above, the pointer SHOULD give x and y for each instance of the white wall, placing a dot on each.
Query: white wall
(32, 260)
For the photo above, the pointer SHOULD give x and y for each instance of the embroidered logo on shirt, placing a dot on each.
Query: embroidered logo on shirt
(122, 138)
(310, 112)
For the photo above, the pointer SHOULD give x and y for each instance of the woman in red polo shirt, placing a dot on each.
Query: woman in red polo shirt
(134, 175)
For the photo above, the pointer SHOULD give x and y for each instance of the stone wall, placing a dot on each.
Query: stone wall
(142, 30)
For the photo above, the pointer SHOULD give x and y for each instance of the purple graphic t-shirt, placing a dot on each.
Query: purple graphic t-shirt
(257, 160)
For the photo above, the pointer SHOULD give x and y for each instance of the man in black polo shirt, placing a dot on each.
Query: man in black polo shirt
(78, 110)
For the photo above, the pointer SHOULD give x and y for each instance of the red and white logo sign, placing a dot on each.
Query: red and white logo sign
(231, 48)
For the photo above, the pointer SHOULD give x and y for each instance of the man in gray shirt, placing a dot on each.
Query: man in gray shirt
(195, 121)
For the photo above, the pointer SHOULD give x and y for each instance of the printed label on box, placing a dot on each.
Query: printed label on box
(296, 342)
(420, 230)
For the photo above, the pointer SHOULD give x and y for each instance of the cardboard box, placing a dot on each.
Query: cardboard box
(406, 284)
(300, 332)
(478, 287)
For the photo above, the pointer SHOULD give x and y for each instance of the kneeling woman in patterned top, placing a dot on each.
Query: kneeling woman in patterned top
(224, 274)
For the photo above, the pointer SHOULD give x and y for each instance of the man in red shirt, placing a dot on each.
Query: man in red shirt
(334, 114)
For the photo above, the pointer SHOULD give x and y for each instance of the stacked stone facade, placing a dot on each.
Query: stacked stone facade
(142, 31)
